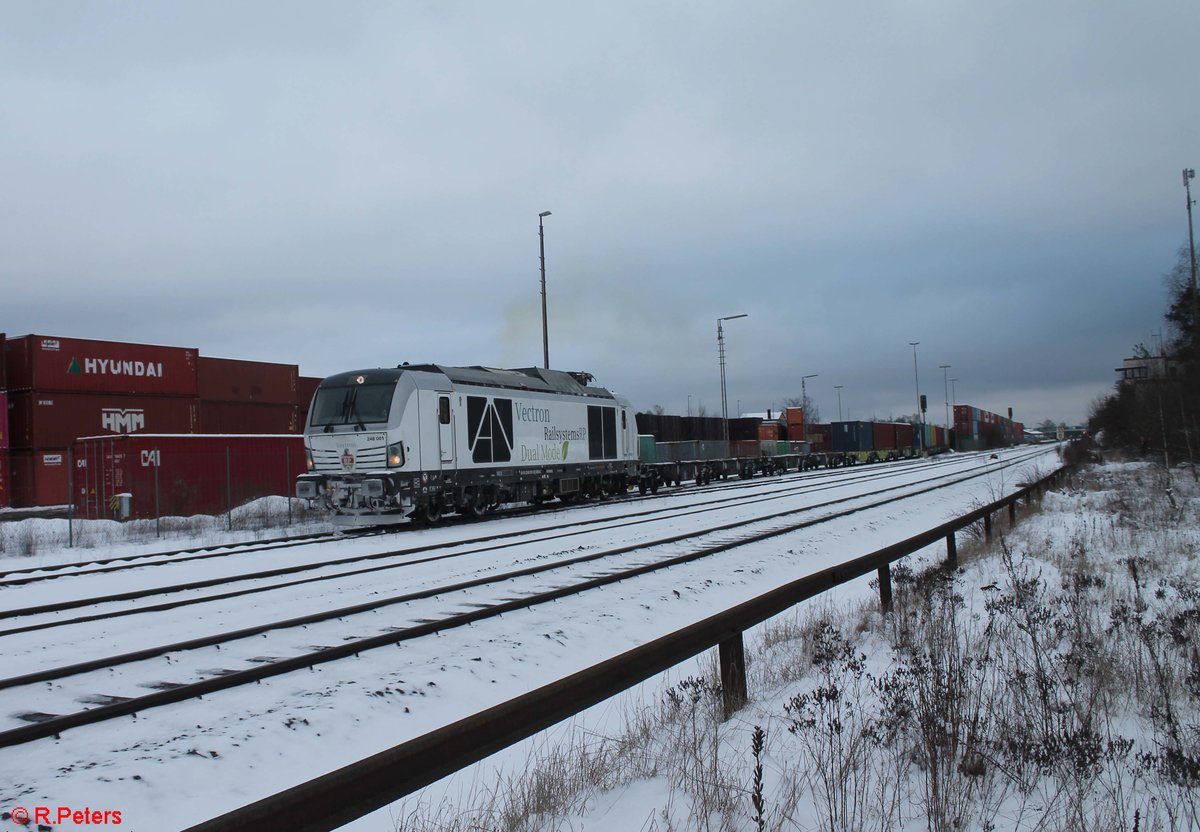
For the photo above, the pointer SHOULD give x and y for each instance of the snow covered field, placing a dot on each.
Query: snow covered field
(178, 765)
(1052, 683)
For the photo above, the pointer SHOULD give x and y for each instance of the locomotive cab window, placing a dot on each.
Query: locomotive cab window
(444, 409)
(356, 404)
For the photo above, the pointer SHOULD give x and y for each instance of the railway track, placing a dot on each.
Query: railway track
(97, 566)
(489, 542)
(621, 563)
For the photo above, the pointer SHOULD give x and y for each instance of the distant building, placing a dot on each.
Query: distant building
(1149, 368)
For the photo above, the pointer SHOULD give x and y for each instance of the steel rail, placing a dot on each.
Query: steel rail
(55, 725)
(625, 520)
(334, 799)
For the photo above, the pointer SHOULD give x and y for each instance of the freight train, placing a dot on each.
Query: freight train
(417, 441)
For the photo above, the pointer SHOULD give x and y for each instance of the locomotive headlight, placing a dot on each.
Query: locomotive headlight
(308, 460)
(395, 455)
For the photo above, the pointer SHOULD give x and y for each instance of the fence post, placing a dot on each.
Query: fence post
(951, 549)
(1012, 512)
(987, 527)
(157, 503)
(885, 588)
(228, 494)
(71, 497)
(733, 673)
(287, 464)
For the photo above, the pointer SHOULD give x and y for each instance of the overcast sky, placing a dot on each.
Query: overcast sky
(358, 184)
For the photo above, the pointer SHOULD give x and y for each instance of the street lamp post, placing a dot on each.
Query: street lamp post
(542, 251)
(920, 416)
(838, 387)
(1188, 176)
(946, 390)
(804, 405)
(721, 358)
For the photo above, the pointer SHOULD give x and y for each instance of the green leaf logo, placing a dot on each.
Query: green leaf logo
(565, 445)
(74, 368)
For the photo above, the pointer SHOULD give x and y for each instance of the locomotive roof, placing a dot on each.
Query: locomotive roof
(527, 378)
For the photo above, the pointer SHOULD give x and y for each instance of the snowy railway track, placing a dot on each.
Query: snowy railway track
(622, 563)
(487, 543)
(120, 563)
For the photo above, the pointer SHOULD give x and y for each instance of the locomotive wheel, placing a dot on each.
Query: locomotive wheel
(431, 512)
(473, 506)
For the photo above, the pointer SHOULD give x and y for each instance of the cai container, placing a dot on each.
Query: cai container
(76, 365)
(184, 475)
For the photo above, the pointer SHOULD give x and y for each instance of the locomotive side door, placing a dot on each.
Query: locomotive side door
(445, 429)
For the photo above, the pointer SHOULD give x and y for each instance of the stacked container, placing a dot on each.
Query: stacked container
(306, 389)
(819, 438)
(60, 389)
(239, 397)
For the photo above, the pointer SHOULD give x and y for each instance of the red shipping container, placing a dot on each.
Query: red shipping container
(885, 436)
(5, 497)
(55, 420)
(769, 432)
(195, 473)
(38, 478)
(306, 389)
(3, 364)
(74, 365)
(795, 416)
(242, 418)
(905, 435)
(232, 380)
(4, 440)
(745, 448)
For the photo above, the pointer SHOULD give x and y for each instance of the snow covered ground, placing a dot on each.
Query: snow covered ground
(178, 765)
(1052, 682)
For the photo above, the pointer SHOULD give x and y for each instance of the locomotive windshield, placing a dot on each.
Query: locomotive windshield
(356, 404)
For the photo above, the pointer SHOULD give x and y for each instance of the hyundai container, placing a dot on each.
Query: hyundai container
(233, 380)
(75, 365)
(183, 474)
(43, 420)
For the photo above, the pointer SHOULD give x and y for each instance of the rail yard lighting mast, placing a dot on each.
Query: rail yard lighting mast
(804, 405)
(721, 358)
(542, 251)
(946, 390)
(1188, 175)
(917, 382)
(838, 387)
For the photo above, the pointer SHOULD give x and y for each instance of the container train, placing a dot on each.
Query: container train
(417, 441)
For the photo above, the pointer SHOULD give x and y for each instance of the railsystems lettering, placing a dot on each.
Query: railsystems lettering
(560, 435)
(110, 367)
